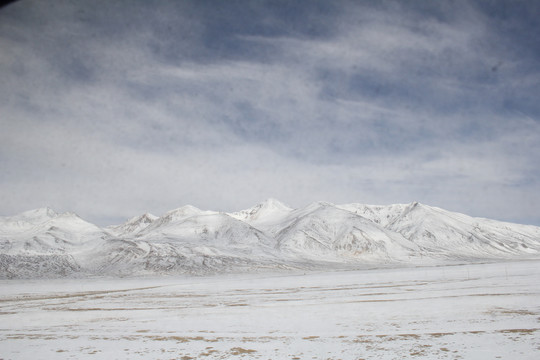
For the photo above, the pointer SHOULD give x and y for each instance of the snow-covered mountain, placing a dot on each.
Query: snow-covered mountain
(133, 225)
(43, 243)
(268, 212)
(43, 231)
(442, 233)
(323, 230)
(269, 235)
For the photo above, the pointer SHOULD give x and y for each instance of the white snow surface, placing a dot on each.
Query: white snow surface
(477, 311)
(270, 235)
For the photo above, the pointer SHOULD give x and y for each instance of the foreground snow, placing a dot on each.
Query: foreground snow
(481, 311)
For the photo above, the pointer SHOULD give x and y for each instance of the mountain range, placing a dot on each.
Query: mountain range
(268, 236)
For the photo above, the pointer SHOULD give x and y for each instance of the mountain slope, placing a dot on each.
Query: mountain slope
(449, 234)
(43, 243)
(325, 231)
(439, 231)
(44, 231)
(270, 211)
(215, 229)
(133, 225)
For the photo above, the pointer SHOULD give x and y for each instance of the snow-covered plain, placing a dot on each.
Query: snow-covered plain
(477, 311)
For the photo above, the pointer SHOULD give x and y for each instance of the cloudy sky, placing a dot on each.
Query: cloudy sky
(115, 108)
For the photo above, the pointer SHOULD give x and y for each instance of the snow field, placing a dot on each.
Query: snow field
(481, 311)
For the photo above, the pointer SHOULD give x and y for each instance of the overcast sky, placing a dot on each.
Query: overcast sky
(115, 108)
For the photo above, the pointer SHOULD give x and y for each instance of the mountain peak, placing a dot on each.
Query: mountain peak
(133, 225)
(269, 209)
(273, 203)
(414, 205)
(179, 214)
(148, 216)
(319, 204)
(186, 210)
(40, 214)
(145, 218)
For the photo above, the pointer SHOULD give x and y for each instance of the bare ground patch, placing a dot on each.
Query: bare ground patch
(241, 351)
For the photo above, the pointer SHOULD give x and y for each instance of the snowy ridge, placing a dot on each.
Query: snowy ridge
(327, 231)
(268, 211)
(269, 235)
(133, 225)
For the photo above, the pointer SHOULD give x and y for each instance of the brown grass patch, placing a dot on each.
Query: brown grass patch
(518, 331)
(79, 294)
(178, 339)
(514, 312)
(414, 336)
(441, 334)
(208, 352)
(240, 351)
